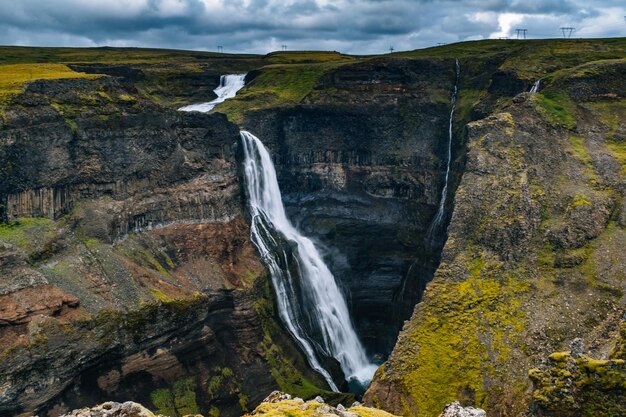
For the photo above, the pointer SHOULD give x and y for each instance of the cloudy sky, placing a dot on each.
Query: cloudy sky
(261, 26)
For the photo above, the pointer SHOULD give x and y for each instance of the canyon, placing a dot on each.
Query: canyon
(128, 271)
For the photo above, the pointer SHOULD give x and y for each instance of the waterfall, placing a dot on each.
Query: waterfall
(309, 301)
(229, 85)
(535, 88)
(444, 193)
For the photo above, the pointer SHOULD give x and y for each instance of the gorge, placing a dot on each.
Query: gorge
(465, 229)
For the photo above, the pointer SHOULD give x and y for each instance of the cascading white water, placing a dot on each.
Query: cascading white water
(309, 300)
(444, 193)
(229, 85)
(535, 88)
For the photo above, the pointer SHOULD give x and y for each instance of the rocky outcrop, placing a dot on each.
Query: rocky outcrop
(281, 404)
(113, 409)
(456, 410)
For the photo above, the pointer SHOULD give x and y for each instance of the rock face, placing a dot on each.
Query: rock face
(361, 167)
(127, 269)
(534, 260)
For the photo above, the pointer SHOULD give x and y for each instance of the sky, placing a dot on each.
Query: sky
(262, 26)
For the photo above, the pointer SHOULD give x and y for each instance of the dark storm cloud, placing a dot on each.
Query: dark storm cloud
(354, 26)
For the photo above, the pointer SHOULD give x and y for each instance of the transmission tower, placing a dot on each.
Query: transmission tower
(220, 49)
(521, 32)
(391, 49)
(567, 31)
(284, 47)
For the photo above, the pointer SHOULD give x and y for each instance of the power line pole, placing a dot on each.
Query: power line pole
(220, 49)
(567, 31)
(521, 31)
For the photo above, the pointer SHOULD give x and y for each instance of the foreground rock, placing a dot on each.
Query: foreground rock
(457, 410)
(279, 404)
(113, 409)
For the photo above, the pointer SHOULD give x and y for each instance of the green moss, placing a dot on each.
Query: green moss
(276, 86)
(163, 401)
(178, 401)
(557, 108)
(31, 234)
(284, 371)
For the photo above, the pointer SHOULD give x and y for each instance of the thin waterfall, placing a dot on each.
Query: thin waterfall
(309, 300)
(229, 85)
(444, 193)
(535, 88)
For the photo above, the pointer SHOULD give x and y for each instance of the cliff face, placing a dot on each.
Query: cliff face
(361, 165)
(127, 270)
(534, 259)
(126, 265)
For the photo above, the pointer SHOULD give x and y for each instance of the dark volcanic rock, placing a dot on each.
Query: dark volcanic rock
(127, 269)
(361, 169)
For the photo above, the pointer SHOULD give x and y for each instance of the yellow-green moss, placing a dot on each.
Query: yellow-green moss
(618, 150)
(580, 386)
(580, 200)
(465, 334)
(13, 77)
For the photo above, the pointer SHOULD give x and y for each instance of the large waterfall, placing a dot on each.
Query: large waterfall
(309, 300)
(229, 85)
(444, 193)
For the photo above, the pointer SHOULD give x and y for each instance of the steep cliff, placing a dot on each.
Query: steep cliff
(534, 256)
(360, 165)
(127, 269)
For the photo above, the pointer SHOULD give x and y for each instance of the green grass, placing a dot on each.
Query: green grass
(278, 85)
(557, 108)
(14, 76)
(27, 232)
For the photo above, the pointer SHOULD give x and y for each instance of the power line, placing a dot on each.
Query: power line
(521, 31)
(567, 31)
